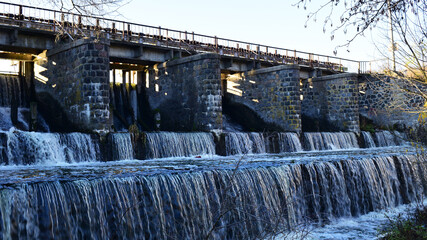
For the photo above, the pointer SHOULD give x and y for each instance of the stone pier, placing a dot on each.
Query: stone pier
(187, 93)
(273, 93)
(78, 78)
(334, 99)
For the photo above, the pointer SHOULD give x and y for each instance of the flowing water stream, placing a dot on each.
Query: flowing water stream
(55, 186)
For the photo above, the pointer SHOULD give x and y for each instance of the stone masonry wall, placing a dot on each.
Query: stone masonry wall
(385, 100)
(187, 93)
(273, 93)
(78, 78)
(333, 98)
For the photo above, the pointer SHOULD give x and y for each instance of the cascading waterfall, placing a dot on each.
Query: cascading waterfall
(258, 142)
(11, 87)
(3, 148)
(134, 103)
(246, 203)
(79, 147)
(385, 139)
(44, 148)
(171, 144)
(289, 142)
(122, 146)
(330, 140)
(5, 120)
(238, 143)
(369, 141)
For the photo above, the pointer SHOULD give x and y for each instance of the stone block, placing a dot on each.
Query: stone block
(77, 62)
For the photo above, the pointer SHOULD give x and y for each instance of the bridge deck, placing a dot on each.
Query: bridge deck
(76, 26)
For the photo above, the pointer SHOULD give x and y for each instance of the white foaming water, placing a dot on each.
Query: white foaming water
(259, 142)
(244, 143)
(49, 148)
(171, 144)
(184, 205)
(363, 227)
(369, 141)
(385, 139)
(122, 146)
(289, 142)
(330, 141)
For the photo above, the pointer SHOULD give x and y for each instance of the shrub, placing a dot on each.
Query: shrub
(412, 227)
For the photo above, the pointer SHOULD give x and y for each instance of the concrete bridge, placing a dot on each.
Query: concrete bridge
(184, 76)
(32, 30)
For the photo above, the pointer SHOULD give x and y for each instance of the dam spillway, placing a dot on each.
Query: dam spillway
(146, 134)
(193, 192)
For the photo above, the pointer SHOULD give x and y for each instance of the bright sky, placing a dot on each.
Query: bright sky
(276, 23)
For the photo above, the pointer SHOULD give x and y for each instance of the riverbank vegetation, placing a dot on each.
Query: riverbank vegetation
(413, 227)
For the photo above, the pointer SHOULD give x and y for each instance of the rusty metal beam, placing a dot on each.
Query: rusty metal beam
(16, 56)
(130, 67)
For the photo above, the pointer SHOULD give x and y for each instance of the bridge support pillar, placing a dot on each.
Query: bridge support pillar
(187, 93)
(78, 78)
(334, 99)
(273, 93)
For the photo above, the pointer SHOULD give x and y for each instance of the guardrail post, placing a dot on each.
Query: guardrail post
(167, 37)
(79, 21)
(123, 31)
(21, 16)
(54, 20)
(97, 24)
(67, 25)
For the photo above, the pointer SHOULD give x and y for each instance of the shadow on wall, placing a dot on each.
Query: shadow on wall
(310, 124)
(54, 114)
(174, 117)
(246, 117)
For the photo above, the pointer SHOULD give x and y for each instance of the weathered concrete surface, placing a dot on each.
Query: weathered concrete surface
(273, 93)
(187, 93)
(78, 78)
(23, 40)
(333, 98)
(139, 53)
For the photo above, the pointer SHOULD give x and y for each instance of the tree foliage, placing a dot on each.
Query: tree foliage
(361, 15)
(408, 50)
(84, 7)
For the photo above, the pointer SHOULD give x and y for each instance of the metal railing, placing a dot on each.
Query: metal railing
(77, 25)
